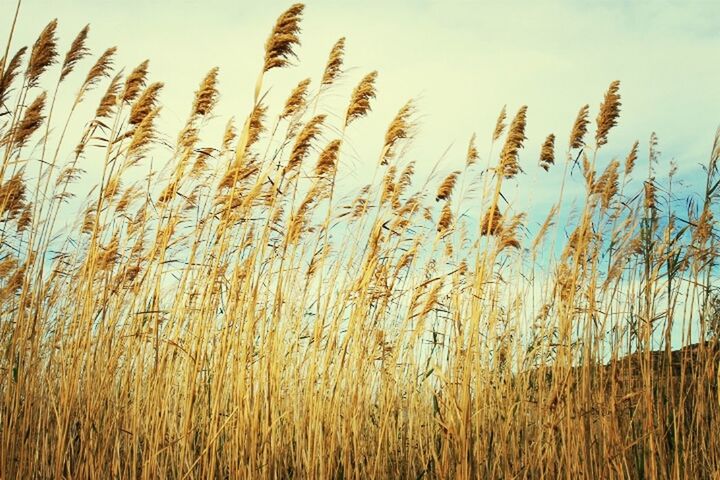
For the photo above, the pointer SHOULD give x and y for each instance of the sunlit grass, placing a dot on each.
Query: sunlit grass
(218, 309)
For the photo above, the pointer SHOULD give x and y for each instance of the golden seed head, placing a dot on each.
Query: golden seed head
(547, 153)
(77, 52)
(333, 68)
(43, 54)
(608, 114)
(207, 95)
(135, 82)
(509, 165)
(360, 98)
(284, 37)
(577, 135)
(500, 124)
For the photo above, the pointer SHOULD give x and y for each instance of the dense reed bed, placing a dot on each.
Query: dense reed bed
(218, 309)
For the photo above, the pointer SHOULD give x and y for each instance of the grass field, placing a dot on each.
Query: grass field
(211, 306)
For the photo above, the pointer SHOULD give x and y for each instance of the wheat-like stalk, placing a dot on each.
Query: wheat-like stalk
(223, 301)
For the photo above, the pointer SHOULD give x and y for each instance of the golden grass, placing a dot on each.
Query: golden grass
(231, 315)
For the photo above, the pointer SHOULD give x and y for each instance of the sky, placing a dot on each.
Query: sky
(460, 61)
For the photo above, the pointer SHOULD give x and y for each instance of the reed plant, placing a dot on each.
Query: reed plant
(215, 307)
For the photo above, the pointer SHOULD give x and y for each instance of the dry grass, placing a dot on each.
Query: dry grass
(232, 316)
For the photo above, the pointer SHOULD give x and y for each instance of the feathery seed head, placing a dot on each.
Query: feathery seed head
(43, 54)
(472, 154)
(500, 124)
(230, 134)
(207, 95)
(360, 98)
(333, 68)
(279, 45)
(101, 69)
(31, 121)
(399, 129)
(257, 125)
(703, 226)
(9, 74)
(303, 143)
(631, 158)
(491, 221)
(12, 195)
(327, 161)
(296, 100)
(608, 114)
(446, 219)
(77, 52)
(446, 187)
(109, 99)
(577, 135)
(607, 185)
(547, 153)
(145, 103)
(509, 233)
(143, 136)
(135, 82)
(509, 165)
(649, 187)
(25, 218)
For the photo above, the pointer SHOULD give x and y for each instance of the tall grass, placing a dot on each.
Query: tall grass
(234, 315)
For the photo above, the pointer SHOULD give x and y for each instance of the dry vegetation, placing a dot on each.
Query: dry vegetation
(232, 315)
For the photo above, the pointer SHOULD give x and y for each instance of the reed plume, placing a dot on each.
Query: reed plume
(334, 65)
(327, 161)
(229, 134)
(135, 82)
(703, 229)
(446, 187)
(471, 157)
(101, 69)
(360, 98)
(143, 136)
(500, 124)
(509, 166)
(256, 124)
(579, 129)
(77, 52)
(547, 152)
(491, 222)
(297, 99)
(649, 189)
(9, 74)
(145, 103)
(7, 266)
(508, 233)
(298, 223)
(42, 55)
(12, 196)
(446, 219)
(110, 98)
(206, 96)
(303, 143)
(608, 114)
(388, 185)
(607, 185)
(631, 158)
(405, 178)
(399, 129)
(284, 37)
(31, 121)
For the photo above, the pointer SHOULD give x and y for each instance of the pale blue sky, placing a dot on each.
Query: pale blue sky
(462, 60)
